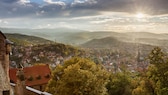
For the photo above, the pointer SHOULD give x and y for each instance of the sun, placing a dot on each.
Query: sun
(140, 15)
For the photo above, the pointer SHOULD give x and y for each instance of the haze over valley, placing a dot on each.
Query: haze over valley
(79, 37)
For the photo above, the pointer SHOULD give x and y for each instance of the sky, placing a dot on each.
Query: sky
(91, 15)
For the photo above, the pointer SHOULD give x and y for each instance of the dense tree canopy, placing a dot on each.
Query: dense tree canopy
(119, 84)
(78, 76)
(155, 80)
(158, 71)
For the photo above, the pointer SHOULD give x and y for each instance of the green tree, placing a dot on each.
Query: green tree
(119, 84)
(78, 76)
(158, 71)
(144, 88)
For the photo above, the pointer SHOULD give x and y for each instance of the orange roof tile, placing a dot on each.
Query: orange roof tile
(36, 75)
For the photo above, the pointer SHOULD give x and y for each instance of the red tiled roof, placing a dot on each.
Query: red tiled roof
(36, 75)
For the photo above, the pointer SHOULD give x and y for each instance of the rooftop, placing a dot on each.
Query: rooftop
(36, 75)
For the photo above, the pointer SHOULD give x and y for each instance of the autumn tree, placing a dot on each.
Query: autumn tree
(78, 76)
(158, 71)
(144, 87)
(119, 84)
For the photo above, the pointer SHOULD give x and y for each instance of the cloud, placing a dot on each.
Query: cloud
(24, 1)
(83, 2)
(115, 5)
(151, 7)
(9, 1)
(55, 2)
(78, 8)
(3, 22)
(19, 8)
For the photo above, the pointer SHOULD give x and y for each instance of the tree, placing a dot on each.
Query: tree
(119, 84)
(144, 88)
(78, 76)
(157, 57)
(158, 71)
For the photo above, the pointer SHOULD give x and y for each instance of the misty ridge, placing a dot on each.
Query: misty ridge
(81, 37)
(128, 42)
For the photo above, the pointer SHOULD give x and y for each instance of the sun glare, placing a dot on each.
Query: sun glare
(140, 15)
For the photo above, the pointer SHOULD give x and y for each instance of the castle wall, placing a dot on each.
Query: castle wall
(2, 49)
(5, 88)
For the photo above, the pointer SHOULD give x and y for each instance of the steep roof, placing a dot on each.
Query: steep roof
(2, 34)
(7, 41)
(36, 75)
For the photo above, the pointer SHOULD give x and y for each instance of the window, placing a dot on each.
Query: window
(6, 92)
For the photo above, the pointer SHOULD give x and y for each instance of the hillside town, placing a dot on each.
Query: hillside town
(23, 64)
(111, 59)
(16, 81)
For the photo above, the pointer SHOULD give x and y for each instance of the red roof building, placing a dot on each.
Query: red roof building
(34, 76)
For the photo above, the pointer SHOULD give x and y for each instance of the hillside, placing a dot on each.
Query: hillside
(20, 39)
(103, 43)
(115, 44)
(78, 37)
(153, 41)
(29, 50)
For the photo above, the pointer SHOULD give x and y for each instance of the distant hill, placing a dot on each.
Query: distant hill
(62, 35)
(30, 48)
(106, 42)
(78, 37)
(40, 44)
(20, 39)
(153, 41)
(115, 44)
(147, 35)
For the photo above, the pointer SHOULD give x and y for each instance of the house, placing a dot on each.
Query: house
(5, 49)
(36, 76)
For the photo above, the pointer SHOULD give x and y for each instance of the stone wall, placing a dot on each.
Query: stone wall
(4, 83)
(2, 47)
(5, 88)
